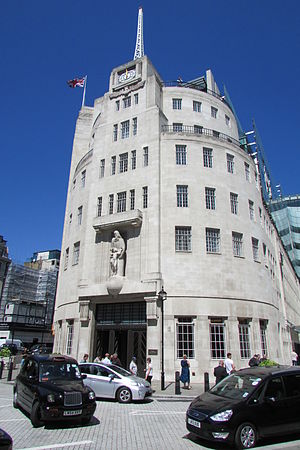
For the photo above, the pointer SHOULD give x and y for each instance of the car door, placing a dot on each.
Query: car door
(292, 389)
(28, 384)
(102, 381)
(273, 408)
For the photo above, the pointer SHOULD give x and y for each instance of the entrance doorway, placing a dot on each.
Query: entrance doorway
(126, 343)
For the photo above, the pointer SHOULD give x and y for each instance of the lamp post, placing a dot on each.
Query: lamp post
(162, 295)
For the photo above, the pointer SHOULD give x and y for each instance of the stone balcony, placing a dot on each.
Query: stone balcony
(133, 218)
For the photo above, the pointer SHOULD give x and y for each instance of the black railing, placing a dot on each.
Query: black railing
(198, 87)
(199, 131)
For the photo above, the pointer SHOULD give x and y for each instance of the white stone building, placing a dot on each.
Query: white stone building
(163, 166)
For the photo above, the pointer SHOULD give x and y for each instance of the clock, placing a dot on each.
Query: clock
(127, 75)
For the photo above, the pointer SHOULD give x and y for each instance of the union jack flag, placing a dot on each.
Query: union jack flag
(76, 82)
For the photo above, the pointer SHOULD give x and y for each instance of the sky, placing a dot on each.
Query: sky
(253, 47)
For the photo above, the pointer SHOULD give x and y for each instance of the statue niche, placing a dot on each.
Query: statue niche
(117, 255)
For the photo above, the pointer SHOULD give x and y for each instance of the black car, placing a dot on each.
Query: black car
(50, 388)
(248, 405)
(6, 442)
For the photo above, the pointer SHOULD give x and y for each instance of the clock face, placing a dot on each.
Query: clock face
(128, 75)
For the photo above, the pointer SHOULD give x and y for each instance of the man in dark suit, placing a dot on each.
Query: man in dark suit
(220, 371)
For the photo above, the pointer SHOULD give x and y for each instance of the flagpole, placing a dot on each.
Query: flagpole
(83, 95)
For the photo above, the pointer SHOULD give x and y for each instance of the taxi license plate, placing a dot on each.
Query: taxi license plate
(195, 423)
(76, 412)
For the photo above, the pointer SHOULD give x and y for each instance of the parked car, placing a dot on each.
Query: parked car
(248, 405)
(111, 381)
(41, 349)
(14, 342)
(50, 388)
(11, 347)
(6, 442)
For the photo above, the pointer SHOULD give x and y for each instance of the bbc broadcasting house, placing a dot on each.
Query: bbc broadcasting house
(168, 247)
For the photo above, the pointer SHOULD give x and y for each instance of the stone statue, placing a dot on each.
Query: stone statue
(117, 255)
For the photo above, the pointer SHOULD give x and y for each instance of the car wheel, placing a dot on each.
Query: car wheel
(35, 415)
(245, 436)
(15, 400)
(124, 395)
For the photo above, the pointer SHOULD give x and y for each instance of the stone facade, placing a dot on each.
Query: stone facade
(163, 166)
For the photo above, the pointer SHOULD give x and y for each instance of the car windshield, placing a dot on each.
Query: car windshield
(236, 386)
(50, 371)
(120, 371)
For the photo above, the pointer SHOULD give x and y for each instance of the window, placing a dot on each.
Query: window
(214, 112)
(79, 215)
(76, 251)
(255, 248)
(210, 199)
(111, 204)
(102, 168)
(263, 338)
(145, 197)
(177, 127)
(230, 163)
(197, 106)
(99, 207)
(136, 99)
(244, 336)
(176, 103)
(70, 330)
(113, 165)
(117, 105)
(123, 162)
(132, 199)
(70, 219)
(66, 258)
(115, 132)
(234, 203)
(133, 159)
(146, 156)
(185, 337)
(292, 385)
(134, 126)
(198, 129)
(217, 338)
(182, 196)
(212, 240)
(74, 183)
(124, 129)
(126, 102)
(181, 155)
(83, 177)
(183, 239)
(251, 210)
(207, 157)
(247, 171)
(121, 201)
(237, 244)
(227, 120)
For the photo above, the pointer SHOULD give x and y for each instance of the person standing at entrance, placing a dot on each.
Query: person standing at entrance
(133, 366)
(185, 372)
(229, 365)
(149, 371)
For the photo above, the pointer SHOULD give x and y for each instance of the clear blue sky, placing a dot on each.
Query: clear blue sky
(253, 47)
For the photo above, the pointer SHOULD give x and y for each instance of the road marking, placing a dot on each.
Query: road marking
(12, 420)
(67, 444)
(146, 413)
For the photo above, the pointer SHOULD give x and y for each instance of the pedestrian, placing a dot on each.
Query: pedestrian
(115, 360)
(85, 358)
(185, 372)
(149, 371)
(133, 366)
(229, 365)
(106, 359)
(220, 372)
(97, 359)
(294, 358)
(254, 361)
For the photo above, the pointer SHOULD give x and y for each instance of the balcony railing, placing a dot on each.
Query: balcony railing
(199, 131)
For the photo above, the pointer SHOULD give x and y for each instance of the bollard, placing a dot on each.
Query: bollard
(10, 370)
(177, 383)
(1, 368)
(206, 381)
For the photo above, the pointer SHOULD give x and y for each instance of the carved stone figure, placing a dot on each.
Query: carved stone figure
(117, 255)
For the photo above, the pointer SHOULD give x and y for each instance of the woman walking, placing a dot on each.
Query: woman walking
(185, 372)
(149, 371)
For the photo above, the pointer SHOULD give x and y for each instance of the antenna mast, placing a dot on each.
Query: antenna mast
(139, 46)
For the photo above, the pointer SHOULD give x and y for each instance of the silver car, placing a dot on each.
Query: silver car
(111, 381)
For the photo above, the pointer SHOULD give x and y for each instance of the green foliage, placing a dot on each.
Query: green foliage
(5, 352)
(268, 363)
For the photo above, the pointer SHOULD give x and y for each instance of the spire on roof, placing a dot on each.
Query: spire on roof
(139, 46)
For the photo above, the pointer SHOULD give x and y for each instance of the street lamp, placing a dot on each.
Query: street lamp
(162, 295)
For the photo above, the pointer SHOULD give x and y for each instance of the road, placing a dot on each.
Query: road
(149, 425)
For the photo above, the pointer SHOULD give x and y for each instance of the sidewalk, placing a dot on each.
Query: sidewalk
(169, 392)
